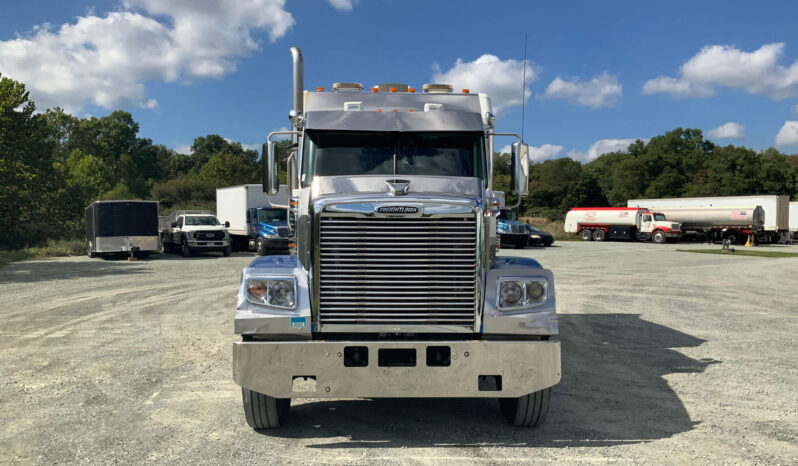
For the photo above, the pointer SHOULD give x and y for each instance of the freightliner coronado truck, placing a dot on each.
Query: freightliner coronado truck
(394, 289)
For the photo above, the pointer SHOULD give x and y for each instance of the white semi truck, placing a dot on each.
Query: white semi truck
(395, 289)
(620, 223)
(774, 227)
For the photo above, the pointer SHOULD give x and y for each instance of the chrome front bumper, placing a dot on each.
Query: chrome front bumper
(209, 244)
(272, 367)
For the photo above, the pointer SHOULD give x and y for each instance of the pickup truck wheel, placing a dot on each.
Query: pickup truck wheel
(185, 251)
(586, 235)
(263, 411)
(226, 251)
(599, 235)
(658, 237)
(260, 247)
(528, 410)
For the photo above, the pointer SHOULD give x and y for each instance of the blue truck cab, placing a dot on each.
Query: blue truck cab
(268, 230)
(510, 229)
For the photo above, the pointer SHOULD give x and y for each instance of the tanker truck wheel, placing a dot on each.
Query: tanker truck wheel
(586, 235)
(599, 235)
(731, 237)
(658, 237)
(528, 410)
(263, 411)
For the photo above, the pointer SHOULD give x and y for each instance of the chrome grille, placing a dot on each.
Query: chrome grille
(282, 232)
(397, 270)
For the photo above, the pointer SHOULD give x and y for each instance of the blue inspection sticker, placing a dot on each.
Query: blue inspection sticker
(299, 322)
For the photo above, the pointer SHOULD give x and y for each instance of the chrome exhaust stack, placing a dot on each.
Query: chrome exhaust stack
(299, 87)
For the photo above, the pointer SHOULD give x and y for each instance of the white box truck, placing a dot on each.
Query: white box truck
(774, 228)
(257, 221)
(793, 221)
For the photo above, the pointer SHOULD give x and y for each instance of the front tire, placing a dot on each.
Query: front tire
(658, 237)
(263, 411)
(260, 247)
(528, 410)
(185, 251)
(586, 235)
(226, 251)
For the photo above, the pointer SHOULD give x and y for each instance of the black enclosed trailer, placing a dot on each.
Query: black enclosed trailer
(114, 227)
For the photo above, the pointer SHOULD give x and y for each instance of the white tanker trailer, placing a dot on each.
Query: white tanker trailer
(773, 227)
(620, 223)
(731, 223)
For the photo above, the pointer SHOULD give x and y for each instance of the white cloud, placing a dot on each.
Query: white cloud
(757, 72)
(505, 149)
(788, 134)
(602, 146)
(677, 87)
(546, 151)
(182, 149)
(106, 60)
(256, 147)
(497, 78)
(728, 130)
(795, 108)
(343, 5)
(602, 90)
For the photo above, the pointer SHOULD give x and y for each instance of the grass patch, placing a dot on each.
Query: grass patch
(743, 252)
(60, 248)
(556, 228)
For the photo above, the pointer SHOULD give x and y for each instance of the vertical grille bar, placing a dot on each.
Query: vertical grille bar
(397, 270)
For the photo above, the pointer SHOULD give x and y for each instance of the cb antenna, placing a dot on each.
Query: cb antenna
(523, 92)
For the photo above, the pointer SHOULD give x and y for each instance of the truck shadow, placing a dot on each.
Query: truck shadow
(37, 270)
(612, 392)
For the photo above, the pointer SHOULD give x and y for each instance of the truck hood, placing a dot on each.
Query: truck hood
(203, 228)
(271, 227)
(398, 189)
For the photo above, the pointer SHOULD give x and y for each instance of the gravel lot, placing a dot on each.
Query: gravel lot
(668, 357)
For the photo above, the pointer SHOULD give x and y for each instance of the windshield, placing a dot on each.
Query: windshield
(271, 215)
(201, 220)
(341, 153)
(659, 217)
(506, 215)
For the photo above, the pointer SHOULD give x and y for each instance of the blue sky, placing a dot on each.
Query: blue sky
(600, 73)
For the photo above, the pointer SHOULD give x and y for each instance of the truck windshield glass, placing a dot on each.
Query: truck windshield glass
(659, 217)
(506, 215)
(341, 153)
(271, 215)
(201, 220)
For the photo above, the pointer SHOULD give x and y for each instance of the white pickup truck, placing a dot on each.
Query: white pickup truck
(188, 231)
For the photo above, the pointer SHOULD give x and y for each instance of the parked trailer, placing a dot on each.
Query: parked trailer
(717, 223)
(114, 227)
(256, 220)
(793, 221)
(777, 210)
(620, 223)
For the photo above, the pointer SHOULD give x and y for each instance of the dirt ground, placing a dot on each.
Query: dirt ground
(668, 357)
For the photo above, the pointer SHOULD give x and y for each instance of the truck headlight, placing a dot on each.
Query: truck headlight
(521, 293)
(279, 292)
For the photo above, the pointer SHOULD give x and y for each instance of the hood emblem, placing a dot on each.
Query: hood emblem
(397, 209)
(397, 187)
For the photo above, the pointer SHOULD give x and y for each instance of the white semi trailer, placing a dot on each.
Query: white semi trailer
(620, 223)
(793, 221)
(774, 228)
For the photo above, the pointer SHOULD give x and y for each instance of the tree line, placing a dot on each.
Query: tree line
(53, 165)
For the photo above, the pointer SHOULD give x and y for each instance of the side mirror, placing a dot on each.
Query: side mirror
(519, 169)
(174, 224)
(271, 183)
(227, 224)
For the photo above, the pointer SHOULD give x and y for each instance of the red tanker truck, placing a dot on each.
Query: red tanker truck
(621, 223)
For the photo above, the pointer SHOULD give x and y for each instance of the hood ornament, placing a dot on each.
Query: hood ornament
(397, 187)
